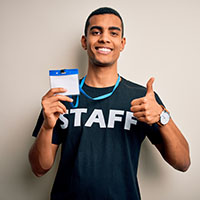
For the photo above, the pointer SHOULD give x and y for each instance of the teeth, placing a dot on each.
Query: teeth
(104, 49)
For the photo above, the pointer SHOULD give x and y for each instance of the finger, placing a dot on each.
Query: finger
(57, 109)
(57, 98)
(54, 91)
(145, 119)
(150, 85)
(61, 98)
(59, 104)
(138, 108)
(139, 114)
(141, 119)
(138, 101)
(54, 108)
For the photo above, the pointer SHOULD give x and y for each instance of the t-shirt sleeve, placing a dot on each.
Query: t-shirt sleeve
(153, 132)
(57, 137)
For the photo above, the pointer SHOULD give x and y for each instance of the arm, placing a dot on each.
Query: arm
(42, 153)
(174, 147)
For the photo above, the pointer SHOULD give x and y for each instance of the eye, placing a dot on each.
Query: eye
(114, 33)
(96, 32)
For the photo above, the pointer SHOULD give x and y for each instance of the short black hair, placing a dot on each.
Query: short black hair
(101, 11)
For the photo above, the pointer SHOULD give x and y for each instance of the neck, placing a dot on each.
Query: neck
(101, 76)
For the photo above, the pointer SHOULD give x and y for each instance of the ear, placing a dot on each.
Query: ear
(123, 43)
(84, 42)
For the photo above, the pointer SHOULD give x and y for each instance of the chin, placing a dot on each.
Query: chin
(103, 64)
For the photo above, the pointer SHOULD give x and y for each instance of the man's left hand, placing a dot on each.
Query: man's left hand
(146, 109)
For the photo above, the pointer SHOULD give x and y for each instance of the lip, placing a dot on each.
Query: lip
(103, 50)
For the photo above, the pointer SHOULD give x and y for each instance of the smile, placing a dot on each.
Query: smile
(103, 50)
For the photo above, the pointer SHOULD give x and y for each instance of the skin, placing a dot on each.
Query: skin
(42, 153)
(104, 32)
(174, 147)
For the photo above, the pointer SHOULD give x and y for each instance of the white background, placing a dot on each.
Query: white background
(163, 41)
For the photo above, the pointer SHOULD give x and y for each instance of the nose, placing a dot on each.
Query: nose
(104, 38)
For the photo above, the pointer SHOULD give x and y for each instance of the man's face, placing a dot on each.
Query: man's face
(104, 40)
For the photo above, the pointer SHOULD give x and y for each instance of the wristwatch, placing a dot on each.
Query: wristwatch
(164, 117)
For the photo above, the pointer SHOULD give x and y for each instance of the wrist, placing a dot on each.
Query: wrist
(164, 116)
(46, 127)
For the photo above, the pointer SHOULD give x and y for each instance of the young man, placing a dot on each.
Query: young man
(101, 138)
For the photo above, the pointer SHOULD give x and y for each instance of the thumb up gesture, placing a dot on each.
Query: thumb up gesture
(146, 109)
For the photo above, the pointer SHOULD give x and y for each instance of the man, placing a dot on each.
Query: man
(101, 137)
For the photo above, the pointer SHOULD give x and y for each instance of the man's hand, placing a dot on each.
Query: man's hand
(52, 107)
(146, 109)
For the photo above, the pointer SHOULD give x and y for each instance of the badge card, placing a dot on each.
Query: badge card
(65, 78)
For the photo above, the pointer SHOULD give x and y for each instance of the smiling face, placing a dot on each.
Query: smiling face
(104, 40)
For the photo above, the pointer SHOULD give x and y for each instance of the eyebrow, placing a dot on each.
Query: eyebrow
(100, 28)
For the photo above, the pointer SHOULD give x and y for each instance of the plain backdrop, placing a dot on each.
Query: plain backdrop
(163, 41)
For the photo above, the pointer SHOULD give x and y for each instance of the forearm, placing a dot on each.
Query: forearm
(42, 153)
(174, 147)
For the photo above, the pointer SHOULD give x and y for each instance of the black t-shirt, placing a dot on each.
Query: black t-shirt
(100, 145)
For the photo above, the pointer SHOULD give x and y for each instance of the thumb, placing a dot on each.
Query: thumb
(150, 85)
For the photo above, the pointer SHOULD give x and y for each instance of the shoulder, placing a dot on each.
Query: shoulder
(136, 90)
(130, 89)
(132, 86)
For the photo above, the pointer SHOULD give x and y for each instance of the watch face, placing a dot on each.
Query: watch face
(164, 118)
